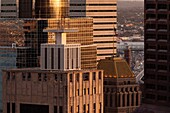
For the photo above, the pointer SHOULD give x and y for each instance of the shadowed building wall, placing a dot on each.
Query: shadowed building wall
(157, 49)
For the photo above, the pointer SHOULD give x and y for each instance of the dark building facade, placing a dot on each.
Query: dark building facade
(25, 8)
(157, 56)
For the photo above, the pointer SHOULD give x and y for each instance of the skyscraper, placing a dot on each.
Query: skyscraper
(156, 69)
(104, 14)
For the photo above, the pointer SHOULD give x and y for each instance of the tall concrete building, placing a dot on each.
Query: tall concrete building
(104, 14)
(121, 92)
(156, 68)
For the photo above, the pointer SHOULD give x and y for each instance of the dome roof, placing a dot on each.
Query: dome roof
(115, 67)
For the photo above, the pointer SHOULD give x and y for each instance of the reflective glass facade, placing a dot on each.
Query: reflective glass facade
(7, 60)
(104, 14)
(34, 8)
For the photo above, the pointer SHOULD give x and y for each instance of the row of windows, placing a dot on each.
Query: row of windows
(86, 108)
(158, 77)
(105, 23)
(103, 29)
(158, 97)
(158, 27)
(117, 100)
(93, 4)
(128, 89)
(109, 54)
(27, 77)
(98, 16)
(8, 4)
(157, 87)
(157, 56)
(9, 107)
(157, 37)
(43, 77)
(157, 16)
(158, 6)
(161, 67)
(103, 42)
(85, 76)
(86, 91)
(93, 10)
(58, 108)
(8, 11)
(157, 47)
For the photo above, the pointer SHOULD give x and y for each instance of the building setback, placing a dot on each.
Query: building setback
(157, 48)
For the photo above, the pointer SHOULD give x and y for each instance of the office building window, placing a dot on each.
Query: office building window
(13, 76)
(94, 107)
(45, 58)
(61, 77)
(13, 107)
(94, 90)
(84, 108)
(8, 75)
(52, 58)
(61, 109)
(94, 75)
(8, 107)
(71, 77)
(39, 76)
(45, 78)
(71, 109)
(55, 77)
(23, 76)
(100, 75)
(85, 76)
(29, 77)
(84, 91)
(58, 58)
(55, 109)
(78, 109)
(77, 77)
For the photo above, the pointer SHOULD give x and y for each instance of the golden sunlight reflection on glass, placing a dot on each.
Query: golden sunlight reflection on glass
(59, 8)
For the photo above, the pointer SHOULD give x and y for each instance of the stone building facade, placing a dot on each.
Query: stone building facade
(37, 91)
(121, 92)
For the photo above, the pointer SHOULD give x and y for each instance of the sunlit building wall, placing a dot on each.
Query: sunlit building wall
(33, 90)
(104, 14)
(84, 37)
